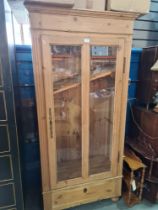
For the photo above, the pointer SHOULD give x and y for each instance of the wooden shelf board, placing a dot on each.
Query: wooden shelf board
(72, 169)
(133, 200)
(134, 164)
(68, 87)
(103, 57)
(69, 170)
(62, 56)
(99, 164)
(100, 75)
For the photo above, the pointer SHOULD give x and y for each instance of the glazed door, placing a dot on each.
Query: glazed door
(105, 87)
(83, 96)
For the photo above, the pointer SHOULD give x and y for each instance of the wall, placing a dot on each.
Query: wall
(146, 28)
(134, 68)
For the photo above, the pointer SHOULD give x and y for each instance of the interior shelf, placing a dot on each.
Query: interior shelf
(69, 170)
(99, 164)
(100, 75)
(95, 77)
(103, 57)
(67, 87)
(133, 199)
(72, 169)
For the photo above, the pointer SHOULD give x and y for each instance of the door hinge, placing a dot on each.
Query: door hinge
(124, 65)
(50, 123)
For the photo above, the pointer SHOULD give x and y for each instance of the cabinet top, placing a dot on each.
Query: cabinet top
(52, 8)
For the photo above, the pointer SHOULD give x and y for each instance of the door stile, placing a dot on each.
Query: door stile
(117, 107)
(85, 109)
(49, 99)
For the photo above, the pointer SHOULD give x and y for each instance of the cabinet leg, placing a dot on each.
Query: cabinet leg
(115, 199)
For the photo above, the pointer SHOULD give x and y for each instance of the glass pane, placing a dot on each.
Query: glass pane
(66, 61)
(102, 87)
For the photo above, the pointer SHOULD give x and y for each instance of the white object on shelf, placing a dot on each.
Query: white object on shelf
(98, 5)
(140, 6)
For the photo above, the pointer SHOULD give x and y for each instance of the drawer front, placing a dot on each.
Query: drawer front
(6, 171)
(1, 79)
(85, 193)
(3, 114)
(7, 196)
(12, 209)
(4, 140)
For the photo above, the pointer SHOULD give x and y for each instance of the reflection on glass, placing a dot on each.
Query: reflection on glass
(102, 84)
(103, 59)
(66, 62)
(66, 66)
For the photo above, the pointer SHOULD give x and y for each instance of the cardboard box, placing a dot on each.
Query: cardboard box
(140, 6)
(96, 5)
(64, 3)
(80, 4)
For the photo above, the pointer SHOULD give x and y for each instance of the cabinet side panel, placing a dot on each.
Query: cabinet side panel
(40, 100)
(127, 56)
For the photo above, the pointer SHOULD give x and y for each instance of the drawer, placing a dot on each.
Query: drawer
(4, 139)
(85, 193)
(3, 112)
(6, 172)
(1, 81)
(12, 209)
(7, 196)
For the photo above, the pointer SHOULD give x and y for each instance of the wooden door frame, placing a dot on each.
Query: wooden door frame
(46, 42)
(96, 40)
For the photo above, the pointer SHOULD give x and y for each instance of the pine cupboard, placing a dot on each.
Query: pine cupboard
(81, 66)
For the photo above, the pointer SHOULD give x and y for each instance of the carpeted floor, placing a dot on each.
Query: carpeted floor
(120, 205)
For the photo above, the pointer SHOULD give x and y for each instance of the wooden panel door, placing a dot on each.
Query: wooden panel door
(105, 88)
(83, 84)
(64, 63)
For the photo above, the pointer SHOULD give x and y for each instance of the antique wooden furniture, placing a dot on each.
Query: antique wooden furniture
(143, 130)
(10, 175)
(148, 79)
(81, 66)
(133, 177)
(149, 157)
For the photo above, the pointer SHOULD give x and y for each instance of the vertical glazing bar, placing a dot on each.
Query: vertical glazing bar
(85, 109)
(47, 71)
